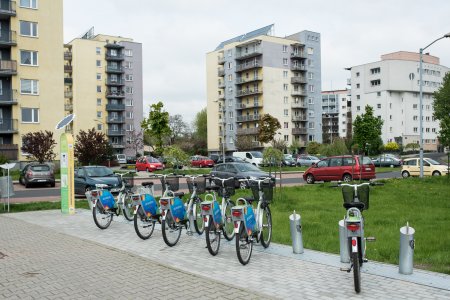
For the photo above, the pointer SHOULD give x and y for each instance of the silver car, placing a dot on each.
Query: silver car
(306, 160)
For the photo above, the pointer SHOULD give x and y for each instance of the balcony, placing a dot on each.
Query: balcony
(8, 97)
(298, 68)
(221, 97)
(67, 69)
(248, 92)
(221, 84)
(10, 151)
(299, 118)
(114, 45)
(298, 55)
(246, 80)
(115, 120)
(115, 94)
(298, 93)
(67, 55)
(247, 66)
(119, 132)
(68, 107)
(298, 79)
(68, 94)
(298, 105)
(221, 60)
(248, 118)
(296, 131)
(221, 109)
(116, 57)
(7, 9)
(8, 126)
(110, 69)
(247, 131)
(118, 146)
(349, 81)
(220, 72)
(8, 39)
(68, 81)
(115, 107)
(249, 54)
(248, 106)
(114, 82)
(8, 67)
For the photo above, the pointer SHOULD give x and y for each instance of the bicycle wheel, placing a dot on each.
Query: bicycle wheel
(228, 225)
(356, 272)
(199, 224)
(212, 238)
(127, 207)
(266, 230)
(142, 225)
(244, 245)
(171, 232)
(102, 218)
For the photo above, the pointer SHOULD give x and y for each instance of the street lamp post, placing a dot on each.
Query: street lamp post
(421, 101)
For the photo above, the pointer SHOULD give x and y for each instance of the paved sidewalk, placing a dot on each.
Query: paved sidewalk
(117, 254)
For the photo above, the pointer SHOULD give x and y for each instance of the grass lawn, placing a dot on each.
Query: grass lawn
(21, 207)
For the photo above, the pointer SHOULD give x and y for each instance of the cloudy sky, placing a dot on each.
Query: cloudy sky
(177, 34)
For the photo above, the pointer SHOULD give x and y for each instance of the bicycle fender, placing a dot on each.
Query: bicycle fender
(354, 244)
(136, 208)
(237, 224)
(206, 219)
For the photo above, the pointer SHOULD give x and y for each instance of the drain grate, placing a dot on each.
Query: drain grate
(2, 255)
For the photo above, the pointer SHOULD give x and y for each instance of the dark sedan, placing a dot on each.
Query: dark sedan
(386, 161)
(87, 177)
(239, 171)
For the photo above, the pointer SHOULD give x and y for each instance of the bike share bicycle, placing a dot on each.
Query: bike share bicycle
(253, 224)
(104, 206)
(146, 211)
(217, 217)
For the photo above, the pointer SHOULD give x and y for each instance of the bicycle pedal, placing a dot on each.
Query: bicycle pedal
(370, 239)
(345, 269)
(365, 260)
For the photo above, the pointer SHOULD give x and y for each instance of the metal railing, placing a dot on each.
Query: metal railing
(8, 38)
(115, 120)
(68, 80)
(109, 56)
(249, 54)
(299, 118)
(111, 69)
(298, 93)
(8, 125)
(248, 118)
(115, 106)
(68, 68)
(250, 65)
(67, 55)
(8, 97)
(68, 94)
(300, 54)
(241, 93)
(8, 8)
(118, 81)
(247, 131)
(8, 66)
(220, 72)
(245, 80)
(298, 79)
(116, 132)
(299, 131)
(298, 105)
(298, 68)
(115, 94)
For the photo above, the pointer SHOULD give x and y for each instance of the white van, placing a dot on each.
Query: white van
(253, 157)
(121, 158)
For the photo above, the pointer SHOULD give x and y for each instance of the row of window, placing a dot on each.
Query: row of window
(115, 78)
(128, 102)
(128, 114)
(115, 65)
(114, 52)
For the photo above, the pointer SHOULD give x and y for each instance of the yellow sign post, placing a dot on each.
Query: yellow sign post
(67, 173)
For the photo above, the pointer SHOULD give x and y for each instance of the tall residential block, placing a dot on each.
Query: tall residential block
(31, 71)
(103, 87)
(258, 73)
(336, 115)
(391, 87)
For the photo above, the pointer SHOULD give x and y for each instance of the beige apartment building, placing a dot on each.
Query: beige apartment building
(257, 73)
(31, 71)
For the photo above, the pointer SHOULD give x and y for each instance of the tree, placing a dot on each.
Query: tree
(135, 141)
(92, 147)
(272, 156)
(157, 124)
(177, 126)
(412, 146)
(279, 144)
(441, 106)
(39, 145)
(175, 156)
(293, 148)
(244, 142)
(268, 126)
(367, 131)
(338, 147)
(200, 135)
(313, 148)
(391, 146)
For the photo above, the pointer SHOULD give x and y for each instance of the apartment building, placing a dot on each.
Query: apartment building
(31, 71)
(257, 73)
(391, 87)
(103, 87)
(336, 115)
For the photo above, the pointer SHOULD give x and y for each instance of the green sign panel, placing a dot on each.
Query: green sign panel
(67, 173)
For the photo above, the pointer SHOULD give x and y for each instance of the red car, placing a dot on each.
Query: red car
(345, 168)
(201, 161)
(148, 164)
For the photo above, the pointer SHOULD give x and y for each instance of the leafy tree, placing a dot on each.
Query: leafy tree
(412, 146)
(200, 136)
(268, 126)
(178, 127)
(313, 148)
(391, 146)
(244, 142)
(157, 124)
(367, 130)
(272, 156)
(175, 156)
(135, 141)
(39, 145)
(293, 148)
(441, 106)
(279, 144)
(338, 147)
(92, 147)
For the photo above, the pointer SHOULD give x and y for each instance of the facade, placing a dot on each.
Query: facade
(103, 87)
(336, 115)
(391, 87)
(258, 73)
(31, 71)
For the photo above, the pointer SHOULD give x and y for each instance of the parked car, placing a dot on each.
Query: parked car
(386, 161)
(87, 177)
(253, 157)
(35, 173)
(201, 161)
(306, 160)
(231, 159)
(239, 171)
(131, 159)
(289, 161)
(411, 167)
(149, 164)
(345, 168)
(121, 158)
(215, 157)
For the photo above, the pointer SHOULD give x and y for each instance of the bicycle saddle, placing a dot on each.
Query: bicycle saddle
(358, 205)
(250, 199)
(150, 184)
(178, 194)
(213, 188)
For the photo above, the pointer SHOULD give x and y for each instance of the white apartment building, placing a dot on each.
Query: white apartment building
(391, 87)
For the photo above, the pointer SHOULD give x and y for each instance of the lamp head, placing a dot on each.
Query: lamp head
(447, 35)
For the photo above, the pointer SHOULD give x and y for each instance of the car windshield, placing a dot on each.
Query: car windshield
(313, 158)
(256, 154)
(99, 172)
(152, 160)
(432, 161)
(247, 168)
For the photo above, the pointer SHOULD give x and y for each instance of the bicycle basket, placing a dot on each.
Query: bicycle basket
(173, 182)
(128, 179)
(229, 186)
(267, 188)
(363, 195)
(200, 182)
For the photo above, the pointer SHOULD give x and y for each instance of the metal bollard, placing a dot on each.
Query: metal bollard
(343, 242)
(296, 233)
(407, 245)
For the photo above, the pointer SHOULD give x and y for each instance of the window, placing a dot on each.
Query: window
(285, 47)
(129, 77)
(375, 70)
(311, 113)
(427, 129)
(99, 102)
(357, 74)
(230, 77)
(129, 127)
(128, 65)
(230, 127)
(285, 61)
(98, 50)
(29, 86)
(390, 129)
(129, 102)
(230, 114)
(128, 52)
(28, 4)
(129, 115)
(310, 51)
(310, 75)
(286, 112)
(379, 95)
(375, 82)
(358, 97)
(99, 63)
(113, 52)
(30, 115)
(311, 125)
(28, 29)
(129, 90)
(29, 58)
(99, 88)
(285, 87)
(99, 126)
(230, 65)
(414, 106)
(286, 138)
(99, 76)
(310, 100)
(415, 129)
(358, 108)
(357, 85)
(311, 88)
(379, 105)
(286, 125)
(285, 74)
(99, 114)
(285, 100)
(433, 129)
(390, 117)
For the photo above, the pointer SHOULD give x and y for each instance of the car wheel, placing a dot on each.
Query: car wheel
(310, 179)
(52, 184)
(27, 185)
(347, 178)
(405, 174)
(436, 173)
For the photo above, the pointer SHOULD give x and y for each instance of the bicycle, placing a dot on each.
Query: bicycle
(250, 224)
(217, 217)
(124, 200)
(103, 205)
(146, 211)
(356, 199)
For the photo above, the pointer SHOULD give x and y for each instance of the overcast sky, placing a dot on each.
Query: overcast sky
(177, 34)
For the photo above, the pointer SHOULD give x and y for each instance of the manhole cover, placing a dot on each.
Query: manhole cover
(2, 255)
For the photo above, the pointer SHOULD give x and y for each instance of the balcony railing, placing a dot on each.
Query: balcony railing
(113, 107)
(115, 120)
(221, 97)
(115, 94)
(119, 132)
(249, 54)
(110, 81)
(8, 38)
(298, 105)
(8, 8)
(67, 69)
(248, 118)
(220, 72)
(110, 56)
(251, 65)
(8, 67)
(298, 68)
(221, 84)
(245, 80)
(296, 131)
(114, 45)
(68, 107)
(8, 97)
(247, 131)
(68, 80)
(68, 94)
(298, 93)
(10, 151)
(67, 55)
(299, 118)
(221, 60)
(298, 79)
(118, 146)
(248, 92)
(247, 106)
(297, 55)
(8, 126)
(111, 69)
